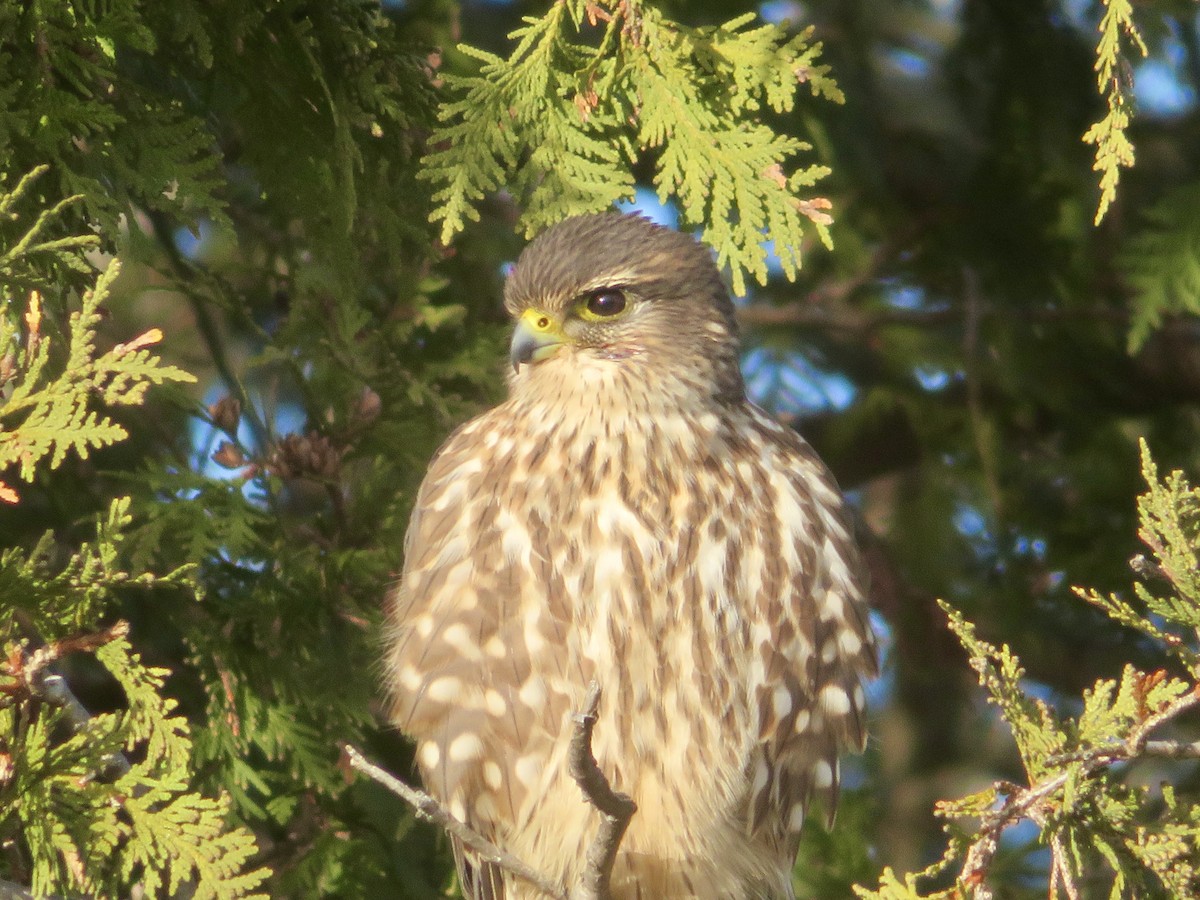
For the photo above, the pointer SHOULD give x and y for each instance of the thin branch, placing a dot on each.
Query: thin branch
(1018, 805)
(186, 274)
(808, 313)
(615, 808)
(812, 312)
(1172, 749)
(36, 681)
(1061, 871)
(10, 891)
(45, 685)
(429, 809)
(984, 449)
(1138, 740)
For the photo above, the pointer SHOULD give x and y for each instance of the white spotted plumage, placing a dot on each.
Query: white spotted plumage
(629, 517)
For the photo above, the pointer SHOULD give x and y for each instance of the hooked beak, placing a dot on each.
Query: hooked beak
(537, 336)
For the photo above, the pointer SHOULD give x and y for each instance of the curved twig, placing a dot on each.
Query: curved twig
(429, 809)
(1029, 802)
(615, 808)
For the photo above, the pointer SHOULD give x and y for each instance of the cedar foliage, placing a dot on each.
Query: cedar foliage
(309, 205)
(1106, 827)
(559, 122)
(89, 821)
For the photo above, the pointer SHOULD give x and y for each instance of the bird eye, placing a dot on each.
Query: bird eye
(606, 303)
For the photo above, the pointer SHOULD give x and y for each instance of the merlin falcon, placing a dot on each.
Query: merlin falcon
(628, 516)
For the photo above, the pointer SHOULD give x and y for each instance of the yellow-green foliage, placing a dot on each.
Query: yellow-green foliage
(1114, 150)
(47, 391)
(1100, 824)
(86, 819)
(591, 87)
(1169, 514)
(81, 817)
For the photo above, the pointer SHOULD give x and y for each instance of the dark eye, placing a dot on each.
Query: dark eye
(607, 302)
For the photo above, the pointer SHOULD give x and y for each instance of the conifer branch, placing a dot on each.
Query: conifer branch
(31, 671)
(1086, 812)
(1040, 798)
(1114, 150)
(560, 120)
(1161, 265)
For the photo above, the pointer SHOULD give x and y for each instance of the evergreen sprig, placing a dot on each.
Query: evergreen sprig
(1114, 150)
(30, 582)
(76, 815)
(47, 390)
(560, 121)
(27, 256)
(89, 132)
(1161, 263)
(87, 820)
(1089, 813)
(1170, 527)
(171, 834)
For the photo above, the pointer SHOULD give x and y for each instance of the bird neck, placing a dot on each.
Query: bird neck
(593, 395)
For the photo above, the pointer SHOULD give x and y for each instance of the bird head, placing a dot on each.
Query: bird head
(617, 290)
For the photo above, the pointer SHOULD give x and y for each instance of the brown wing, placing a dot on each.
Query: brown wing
(815, 642)
(460, 643)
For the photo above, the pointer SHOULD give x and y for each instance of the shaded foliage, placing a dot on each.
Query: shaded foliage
(961, 356)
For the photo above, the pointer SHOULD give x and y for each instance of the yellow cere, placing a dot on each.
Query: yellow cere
(540, 323)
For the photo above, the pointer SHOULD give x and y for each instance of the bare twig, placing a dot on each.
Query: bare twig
(32, 672)
(1018, 805)
(835, 318)
(187, 275)
(54, 690)
(1172, 749)
(615, 808)
(815, 312)
(428, 808)
(1030, 802)
(11, 891)
(1060, 872)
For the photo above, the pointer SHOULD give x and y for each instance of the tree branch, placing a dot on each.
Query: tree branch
(429, 809)
(11, 891)
(1029, 802)
(1172, 750)
(615, 808)
(980, 431)
(815, 312)
(33, 673)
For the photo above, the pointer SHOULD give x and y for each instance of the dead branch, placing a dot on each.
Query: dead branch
(615, 808)
(429, 809)
(10, 891)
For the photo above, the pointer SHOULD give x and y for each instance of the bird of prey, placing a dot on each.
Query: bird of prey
(628, 516)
